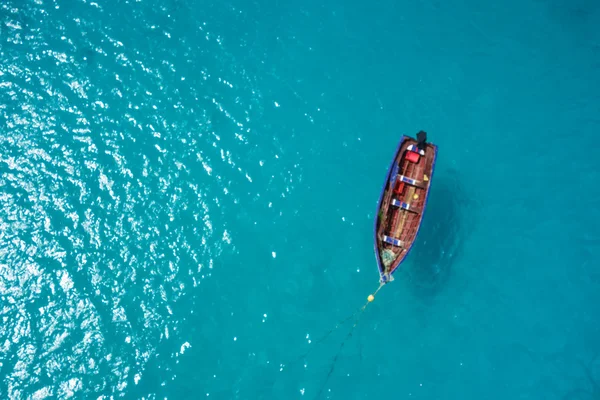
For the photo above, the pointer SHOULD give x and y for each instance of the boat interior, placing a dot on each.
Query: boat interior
(403, 200)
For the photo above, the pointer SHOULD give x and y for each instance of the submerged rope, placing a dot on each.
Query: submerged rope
(360, 312)
(370, 298)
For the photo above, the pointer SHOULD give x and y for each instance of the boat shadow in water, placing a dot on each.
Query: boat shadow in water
(444, 229)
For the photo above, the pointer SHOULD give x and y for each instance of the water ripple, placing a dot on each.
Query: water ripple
(119, 159)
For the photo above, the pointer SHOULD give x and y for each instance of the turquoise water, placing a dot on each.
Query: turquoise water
(188, 192)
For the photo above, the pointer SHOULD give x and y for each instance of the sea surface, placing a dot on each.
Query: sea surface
(188, 190)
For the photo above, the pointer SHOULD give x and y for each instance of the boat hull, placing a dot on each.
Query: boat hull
(402, 204)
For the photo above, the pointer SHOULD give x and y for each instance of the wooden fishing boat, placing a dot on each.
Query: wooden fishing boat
(402, 202)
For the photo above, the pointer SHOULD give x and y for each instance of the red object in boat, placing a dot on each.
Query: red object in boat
(399, 187)
(412, 156)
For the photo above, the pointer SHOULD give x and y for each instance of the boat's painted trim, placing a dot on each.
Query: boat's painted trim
(408, 180)
(401, 204)
(393, 241)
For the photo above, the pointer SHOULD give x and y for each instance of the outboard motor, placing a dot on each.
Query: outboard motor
(422, 140)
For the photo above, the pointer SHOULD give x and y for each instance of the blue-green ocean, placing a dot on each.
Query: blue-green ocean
(188, 191)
